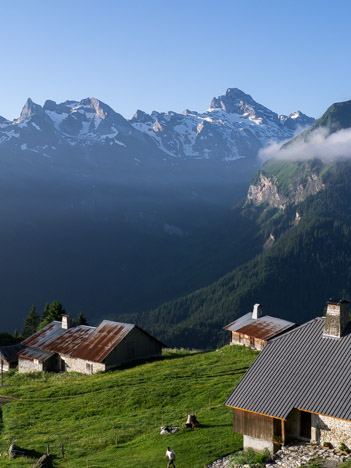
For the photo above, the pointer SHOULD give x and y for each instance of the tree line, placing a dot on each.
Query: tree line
(35, 321)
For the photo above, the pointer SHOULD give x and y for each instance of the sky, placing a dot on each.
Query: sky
(175, 54)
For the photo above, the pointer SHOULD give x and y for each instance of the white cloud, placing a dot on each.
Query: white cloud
(320, 144)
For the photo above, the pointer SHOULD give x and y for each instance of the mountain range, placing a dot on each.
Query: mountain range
(234, 126)
(114, 216)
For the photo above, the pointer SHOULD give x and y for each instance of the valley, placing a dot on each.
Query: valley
(114, 216)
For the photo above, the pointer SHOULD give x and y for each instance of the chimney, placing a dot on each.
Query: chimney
(66, 322)
(336, 318)
(257, 311)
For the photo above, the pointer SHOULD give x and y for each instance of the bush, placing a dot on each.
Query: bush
(250, 457)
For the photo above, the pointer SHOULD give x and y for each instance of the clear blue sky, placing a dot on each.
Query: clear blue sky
(175, 54)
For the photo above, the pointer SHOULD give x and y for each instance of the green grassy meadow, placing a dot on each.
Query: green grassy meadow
(114, 419)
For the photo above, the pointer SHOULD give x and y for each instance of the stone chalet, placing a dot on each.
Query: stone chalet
(299, 385)
(9, 356)
(255, 329)
(60, 347)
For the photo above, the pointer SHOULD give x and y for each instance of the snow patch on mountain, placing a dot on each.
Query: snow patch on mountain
(233, 127)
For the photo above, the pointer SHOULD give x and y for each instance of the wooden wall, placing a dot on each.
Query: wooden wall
(255, 425)
(240, 338)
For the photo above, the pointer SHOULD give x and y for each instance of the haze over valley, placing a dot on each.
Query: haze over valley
(109, 215)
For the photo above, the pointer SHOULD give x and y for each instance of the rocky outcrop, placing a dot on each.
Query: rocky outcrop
(266, 190)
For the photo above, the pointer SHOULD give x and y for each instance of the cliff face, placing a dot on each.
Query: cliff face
(266, 190)
(279, 184)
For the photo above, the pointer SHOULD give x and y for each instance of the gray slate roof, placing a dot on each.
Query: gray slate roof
(300, 369)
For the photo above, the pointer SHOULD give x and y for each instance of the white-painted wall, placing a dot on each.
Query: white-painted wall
(258, 444)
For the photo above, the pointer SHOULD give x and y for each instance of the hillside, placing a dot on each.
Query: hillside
(87, 413)
(297, 247)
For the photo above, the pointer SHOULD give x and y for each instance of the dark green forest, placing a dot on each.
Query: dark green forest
(308, 262)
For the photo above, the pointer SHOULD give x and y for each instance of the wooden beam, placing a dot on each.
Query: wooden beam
(283, 430)
(255, 412)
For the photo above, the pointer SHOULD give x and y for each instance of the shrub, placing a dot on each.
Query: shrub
(250, 457)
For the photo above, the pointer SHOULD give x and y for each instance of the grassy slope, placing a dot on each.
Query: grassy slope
(86, 412)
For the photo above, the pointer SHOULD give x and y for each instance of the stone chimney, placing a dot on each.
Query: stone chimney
(66, 322)
(336, 318)
(257, 311)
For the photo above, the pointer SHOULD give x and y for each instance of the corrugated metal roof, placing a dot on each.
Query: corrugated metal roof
(102, 341)
(300, 369)
(69, 341)
(45, 336)
(10, 353)
(265, 327)
(83, 342)
(32, 353)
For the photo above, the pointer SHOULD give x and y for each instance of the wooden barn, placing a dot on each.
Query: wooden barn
(9, 356)
(255, 329)
(299, 385)
(60, 347)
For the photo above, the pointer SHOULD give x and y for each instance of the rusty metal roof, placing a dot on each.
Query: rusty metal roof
(45, 336)
(102, 341)
(82, 342)
(70, 340)
(10, 353)
(264, 328)
(32, 353)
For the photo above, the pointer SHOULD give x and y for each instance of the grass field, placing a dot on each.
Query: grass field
(114, 419)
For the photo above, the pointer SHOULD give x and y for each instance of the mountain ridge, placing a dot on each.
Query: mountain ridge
(226, 132)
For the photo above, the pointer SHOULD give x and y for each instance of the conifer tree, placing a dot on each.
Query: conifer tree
(82, 319)
(31, 322)
(53, 311)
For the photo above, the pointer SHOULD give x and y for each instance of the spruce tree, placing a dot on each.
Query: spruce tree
(31, 322)
(81, 320)
(53, 311)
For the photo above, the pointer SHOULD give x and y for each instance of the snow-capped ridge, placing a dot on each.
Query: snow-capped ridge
(234, 126)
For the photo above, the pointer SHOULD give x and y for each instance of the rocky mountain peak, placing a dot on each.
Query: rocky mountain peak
(29, 110)
(141, 116)
(232, 101)
(101, 109)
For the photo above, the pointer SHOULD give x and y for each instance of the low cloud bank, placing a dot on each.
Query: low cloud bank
(319, 145)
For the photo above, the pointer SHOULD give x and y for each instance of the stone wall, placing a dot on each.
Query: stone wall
(81, 365)
(29, 365)
(327, 429)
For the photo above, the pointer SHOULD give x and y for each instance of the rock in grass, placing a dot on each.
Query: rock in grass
(44, 462)
(16, 451)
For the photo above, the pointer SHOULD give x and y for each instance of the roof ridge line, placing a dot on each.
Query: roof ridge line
(294, 330)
